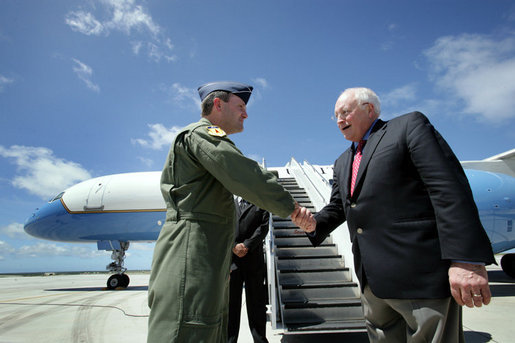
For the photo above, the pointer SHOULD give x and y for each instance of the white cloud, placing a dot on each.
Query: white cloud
(146, 161)
(261, 82)
(159, 135)
(478, 70)
(84, 22)
(42, 173)
(157, 52)
(14, 230)
(5, 249)
(399, 95)
(42, 249)
(136, 47)
(387, 45)
(84, 72)
(184, 96)
(124, 16)
(142, 246)
(4, 81)
(392, 27)
(127, 17)
(389, 42)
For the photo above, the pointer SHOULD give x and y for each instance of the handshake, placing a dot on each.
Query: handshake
(303, 218)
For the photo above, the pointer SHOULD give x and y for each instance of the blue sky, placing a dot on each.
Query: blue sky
(89, 88)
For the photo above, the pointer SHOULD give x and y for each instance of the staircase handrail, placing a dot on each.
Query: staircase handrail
(315, 185)
(270, 272)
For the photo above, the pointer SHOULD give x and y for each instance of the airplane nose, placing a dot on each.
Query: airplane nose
(31, 219)
(40, 223)
(31, 222)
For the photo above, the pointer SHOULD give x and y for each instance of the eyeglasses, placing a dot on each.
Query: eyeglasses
(346, 113)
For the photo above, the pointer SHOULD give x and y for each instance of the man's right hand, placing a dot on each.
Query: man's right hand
(304, 219)
(240, 250)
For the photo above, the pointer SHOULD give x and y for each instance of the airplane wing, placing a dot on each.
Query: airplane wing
(502, 163)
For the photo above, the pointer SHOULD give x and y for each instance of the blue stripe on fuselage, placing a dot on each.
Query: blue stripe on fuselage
(53, 222)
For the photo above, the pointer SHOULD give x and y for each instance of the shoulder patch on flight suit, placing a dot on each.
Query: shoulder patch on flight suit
(215, 131)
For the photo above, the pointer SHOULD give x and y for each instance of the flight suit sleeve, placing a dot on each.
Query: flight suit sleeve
(239, 174)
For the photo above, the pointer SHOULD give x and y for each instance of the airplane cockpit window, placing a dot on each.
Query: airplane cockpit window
(57, 197)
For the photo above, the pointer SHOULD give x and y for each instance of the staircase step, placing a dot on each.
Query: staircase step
(288, 232)
(301, 197)
(297, 191)
(324, 251)
(323, 303)
(308, 265)
(321, 295)
(351, 325)
(297, 318)
(281, 224)
(314, 279)
(297, 241)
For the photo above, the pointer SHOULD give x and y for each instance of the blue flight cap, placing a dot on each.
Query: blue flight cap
(239, 89)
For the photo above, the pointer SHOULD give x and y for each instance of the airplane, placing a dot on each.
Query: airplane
(114, 210)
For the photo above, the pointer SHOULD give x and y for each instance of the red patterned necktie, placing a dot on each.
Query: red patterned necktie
(355, 165)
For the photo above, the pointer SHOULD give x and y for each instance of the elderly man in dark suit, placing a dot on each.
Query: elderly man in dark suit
(248, 267)
(419, 247)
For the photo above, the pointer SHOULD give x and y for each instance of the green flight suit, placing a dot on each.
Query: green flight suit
(189, 282)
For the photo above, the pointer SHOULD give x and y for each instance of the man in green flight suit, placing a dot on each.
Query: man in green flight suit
(189, 281)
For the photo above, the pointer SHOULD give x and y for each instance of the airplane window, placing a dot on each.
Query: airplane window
(57, 197)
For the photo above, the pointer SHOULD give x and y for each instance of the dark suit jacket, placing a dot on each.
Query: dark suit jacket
(251, 230)
(411, 213)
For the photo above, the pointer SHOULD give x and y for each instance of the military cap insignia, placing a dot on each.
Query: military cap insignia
(215, 131)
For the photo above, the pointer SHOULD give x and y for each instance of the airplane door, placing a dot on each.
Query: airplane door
(95, 200)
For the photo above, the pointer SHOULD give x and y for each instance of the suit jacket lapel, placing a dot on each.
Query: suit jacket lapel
(375, 137)
(238, 214)
(245, 209)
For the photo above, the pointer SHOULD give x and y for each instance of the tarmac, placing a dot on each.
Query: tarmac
(78, 308)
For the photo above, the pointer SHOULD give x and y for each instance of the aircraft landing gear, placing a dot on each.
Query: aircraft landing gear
(120, 279)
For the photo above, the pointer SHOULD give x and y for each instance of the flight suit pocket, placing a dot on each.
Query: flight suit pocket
(201, 330)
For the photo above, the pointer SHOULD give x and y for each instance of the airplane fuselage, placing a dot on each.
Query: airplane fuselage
(115, 209)
(130, 207)
(120, 207)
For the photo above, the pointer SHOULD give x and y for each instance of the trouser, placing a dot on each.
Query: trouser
(412, 320)
(255, 297)
(188, 292)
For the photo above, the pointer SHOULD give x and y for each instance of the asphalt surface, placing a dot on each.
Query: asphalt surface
(78, 308)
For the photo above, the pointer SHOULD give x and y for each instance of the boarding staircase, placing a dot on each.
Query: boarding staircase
(310, 289)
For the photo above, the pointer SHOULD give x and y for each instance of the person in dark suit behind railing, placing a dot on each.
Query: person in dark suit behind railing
(249, 268)
(419, 247)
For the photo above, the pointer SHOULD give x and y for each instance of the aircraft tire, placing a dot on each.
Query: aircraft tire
(125, 280)
(508, 264)
(115, 281)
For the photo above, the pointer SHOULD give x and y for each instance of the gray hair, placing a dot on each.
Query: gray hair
(207, 104)
(362, 95)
